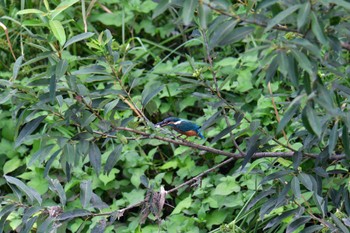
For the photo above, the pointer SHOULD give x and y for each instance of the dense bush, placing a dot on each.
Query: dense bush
(83, 82)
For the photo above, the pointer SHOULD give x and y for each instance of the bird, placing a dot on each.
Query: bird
(182, 126)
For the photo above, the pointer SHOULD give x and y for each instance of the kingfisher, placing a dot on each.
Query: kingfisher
(182, 126)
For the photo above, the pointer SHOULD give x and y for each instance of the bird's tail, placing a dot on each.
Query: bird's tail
(200, 135)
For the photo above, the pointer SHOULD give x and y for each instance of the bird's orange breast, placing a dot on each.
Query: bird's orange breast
(190, 133)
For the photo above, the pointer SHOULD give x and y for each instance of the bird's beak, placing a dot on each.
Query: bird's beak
(161, 124)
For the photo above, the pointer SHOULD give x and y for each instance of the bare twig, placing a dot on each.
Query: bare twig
(8, 39)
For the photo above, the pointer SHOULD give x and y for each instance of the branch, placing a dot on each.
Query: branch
(213, 150)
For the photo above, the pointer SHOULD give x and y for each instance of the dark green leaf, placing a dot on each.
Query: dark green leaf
(73, 214)
(292, 227)
(28, 129)
(276, 175)
(220, 32)
(95, 157)
(254, 144)
(321, 172)
(302, 60)
(50, 161)
(295, 185)
(204, 15)
(189, 7)
(56, 186)
(29, 225)
(61, 68)
(99, 227)
(292, 109)
(93, 69)
(162, 6)
(31, 193)
(52, 88)
(312, 229)
(346, 143)
(149, 94)
(85, 193)
(312, 120)
(260, 197)
(304, 13)
(44, 226)
(41, 153)
(281, 16)
(16, 67)
(113, 158)
(297, 157)
(214, 118)
(306, 180)
(223, 133)
(235, 35)
(3, 221)
(276, 221)
(6, 209)
(342, 227)
(341, 3)
(77, 38)
(317, 30)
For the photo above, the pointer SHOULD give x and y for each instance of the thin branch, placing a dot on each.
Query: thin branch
(8, 40)
(210, 149)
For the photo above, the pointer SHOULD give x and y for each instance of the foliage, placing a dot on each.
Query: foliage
(267, 80)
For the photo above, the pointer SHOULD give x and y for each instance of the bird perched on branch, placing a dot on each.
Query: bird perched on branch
(182, 126)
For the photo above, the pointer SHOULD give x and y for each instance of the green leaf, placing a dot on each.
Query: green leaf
(346, 142)
(16, 67)
(311, 121)
(58, 31)
(42, 151)
(276, 221)
(204, 15)
(333, 138)
(184, 204)
(302, 60)
(61, 7)
(317, 30)
(149, 94)
(281, 16)
(12, 165)
(73, 214)
(275, 175)
(295, 185)
(30, 11)
(31, 193)
(52, 88)
(312, 229)
(85, 193)
(78, 38)
(95, 157)
(254, 144)
(306, 180)
(161, 7)
(227, 186)
(341, 3)
(61, 68)
(293, 226)
(221, 31)
(113, 158)
(304, 13)
(47, 224)
(50, 161)
(235, 35)
(342, 227)
(28, 129)
(292, 109)
(225, 131)
(56, 186)
(189, 7)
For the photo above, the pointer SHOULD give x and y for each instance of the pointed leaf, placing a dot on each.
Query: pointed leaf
(77, 38)
(95, 157)
(317, 30)
(42, 151)
(346, 143)
(61, 7)
(61, 68)
(342, 227)
(292, 227)
(16, 67)
(85, 193)
(223, 133)
(113, 158)
(295, 185)
(189, 7)
(161, 7)
(281, 16)
(56, 186)
(52, 88)
(58, 31)
(304, 13)
(28, 129)
(50, 161)
(302, 60)
(235, 35)
(31, 193)
(149, 94)
(254, 144)
(292, 109)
